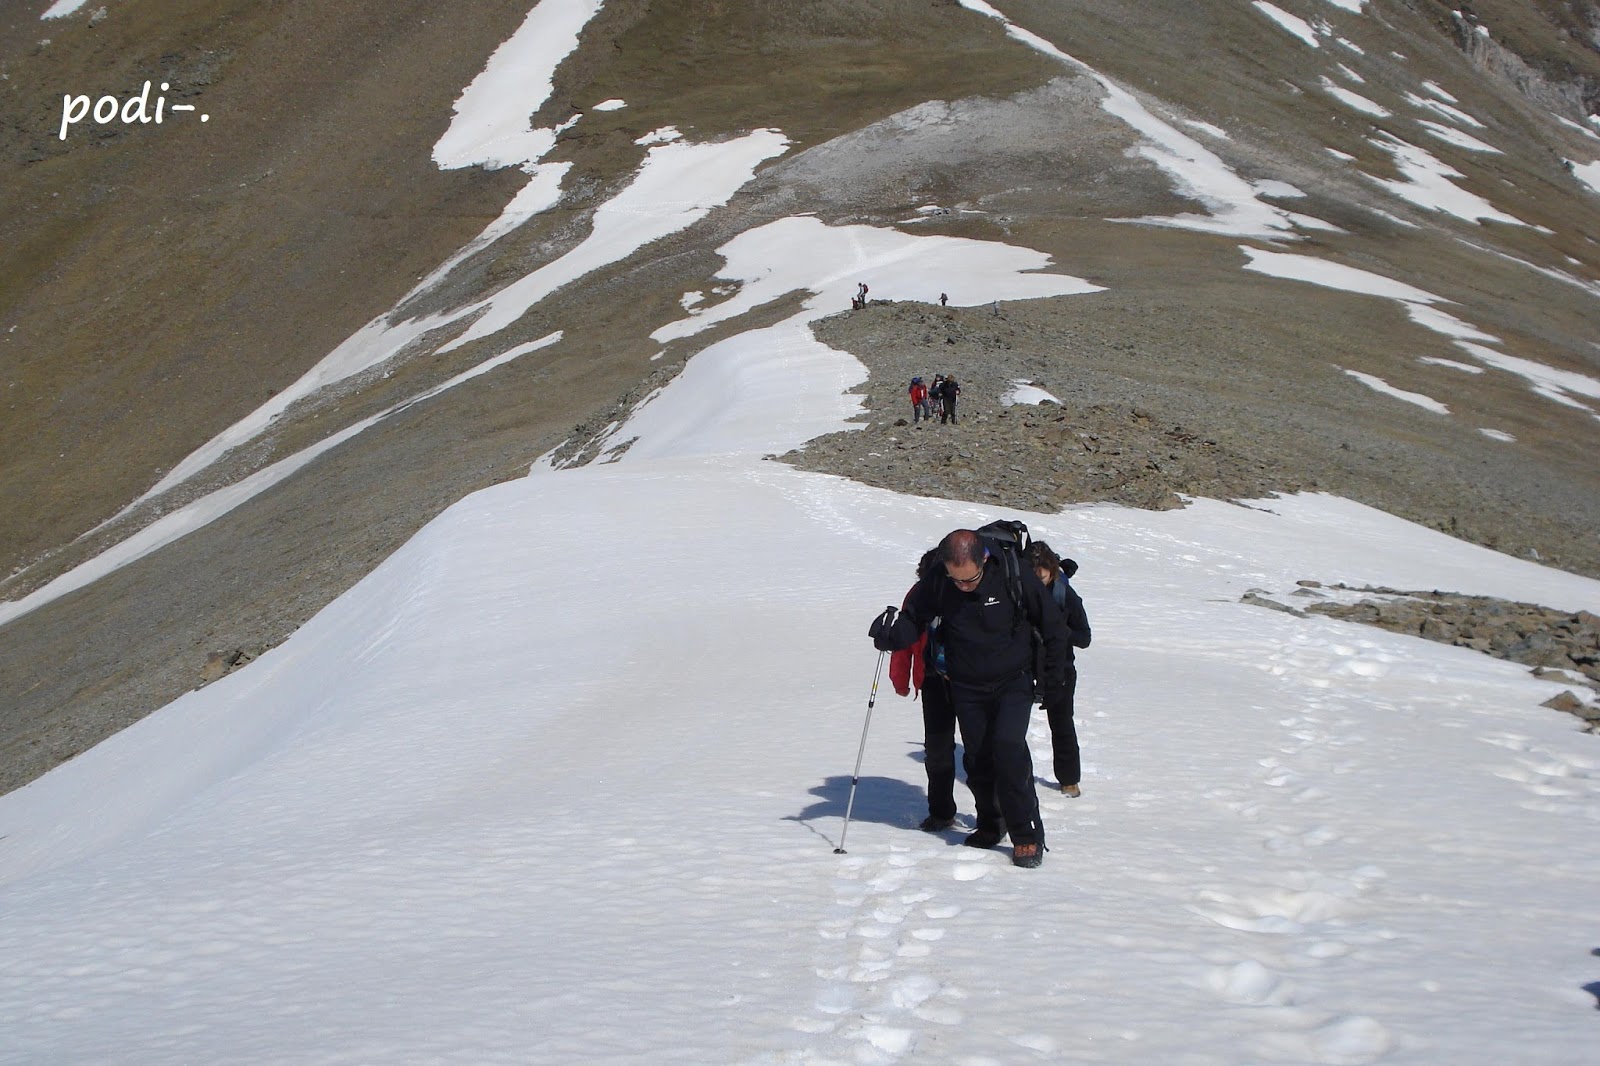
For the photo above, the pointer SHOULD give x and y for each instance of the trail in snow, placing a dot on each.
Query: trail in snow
(474, 812)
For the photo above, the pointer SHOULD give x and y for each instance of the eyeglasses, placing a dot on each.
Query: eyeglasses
(967, 582)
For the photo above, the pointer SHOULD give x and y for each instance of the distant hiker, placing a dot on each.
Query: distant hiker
(947, 400)
(1056, 573)
(987, 618)
(920, 407)
(943, 299)
(917, 668)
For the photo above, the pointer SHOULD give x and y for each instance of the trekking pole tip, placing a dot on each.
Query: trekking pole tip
(840, 851)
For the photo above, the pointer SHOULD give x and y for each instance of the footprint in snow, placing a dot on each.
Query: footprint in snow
(912, 992)
(886, 1038)
(1248, 983)
(1347, 1040)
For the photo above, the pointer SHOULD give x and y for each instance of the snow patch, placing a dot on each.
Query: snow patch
(1452, 113)
(1465, 368)
(1352, 99)
(1376, 383)
(1563, 386)
(492, 127)
(1427, 184)
(1299, 27)
(1435, 89)
(1208, 129)
(664, 135)
(62, 8)
(677, 185)
(1451, 135)
(1281, 190)
(1588, 173)
(1023, 391)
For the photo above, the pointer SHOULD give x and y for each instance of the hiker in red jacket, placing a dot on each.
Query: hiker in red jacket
(920, 406)
(909, 669)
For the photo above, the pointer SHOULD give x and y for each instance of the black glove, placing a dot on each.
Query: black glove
(1052, 694)
(879, 629)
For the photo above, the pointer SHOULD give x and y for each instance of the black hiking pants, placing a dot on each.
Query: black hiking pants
(1064, 732)
(939, 745)
(994, 729)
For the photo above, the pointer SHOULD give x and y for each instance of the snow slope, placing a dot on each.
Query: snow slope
(561, 782)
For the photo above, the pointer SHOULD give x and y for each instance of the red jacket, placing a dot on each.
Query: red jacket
(919, 393)
(906, 667)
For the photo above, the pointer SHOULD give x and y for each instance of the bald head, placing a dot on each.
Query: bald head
(961, 548)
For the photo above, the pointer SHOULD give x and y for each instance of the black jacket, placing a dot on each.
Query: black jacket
(1073, 617)
(986, 642)
(1077, 619)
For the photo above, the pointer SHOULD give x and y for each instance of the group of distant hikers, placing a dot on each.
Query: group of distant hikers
(943, 393)
(924, 399)
(988, 629)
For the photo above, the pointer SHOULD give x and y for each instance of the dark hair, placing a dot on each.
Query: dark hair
(962, 546)
(1041, 556)
(928, 565)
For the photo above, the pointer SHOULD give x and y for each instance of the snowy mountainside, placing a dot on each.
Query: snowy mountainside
(559, 778)
(1396, 233)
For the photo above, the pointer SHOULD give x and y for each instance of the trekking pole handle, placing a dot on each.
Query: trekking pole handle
(881, 623)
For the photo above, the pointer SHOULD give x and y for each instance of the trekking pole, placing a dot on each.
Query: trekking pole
(856, 778)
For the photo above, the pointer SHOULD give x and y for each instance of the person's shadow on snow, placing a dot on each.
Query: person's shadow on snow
(884, 800)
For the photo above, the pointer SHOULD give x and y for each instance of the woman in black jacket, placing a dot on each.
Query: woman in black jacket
(1055, 575)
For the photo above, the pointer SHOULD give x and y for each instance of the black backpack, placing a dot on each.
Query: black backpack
(1008, 540)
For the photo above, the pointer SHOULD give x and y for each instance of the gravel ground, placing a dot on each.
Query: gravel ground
(1133, 427)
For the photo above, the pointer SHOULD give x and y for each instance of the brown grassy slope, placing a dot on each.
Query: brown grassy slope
(158, 282)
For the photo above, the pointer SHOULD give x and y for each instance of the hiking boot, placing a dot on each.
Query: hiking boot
(1028, 855)
(1071, 790)
(934, 824)
(984, 838)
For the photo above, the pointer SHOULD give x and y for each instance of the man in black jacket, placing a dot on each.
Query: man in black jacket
(986, 625)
